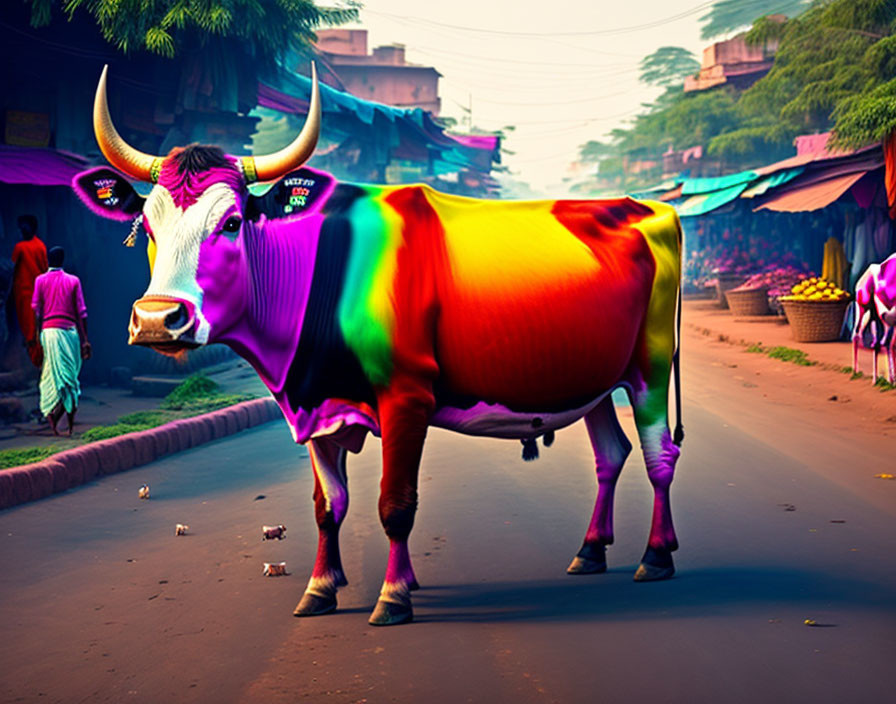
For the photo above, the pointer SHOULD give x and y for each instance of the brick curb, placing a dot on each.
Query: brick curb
(79, 465)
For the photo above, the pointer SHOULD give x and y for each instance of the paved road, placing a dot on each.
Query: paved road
(99, 602)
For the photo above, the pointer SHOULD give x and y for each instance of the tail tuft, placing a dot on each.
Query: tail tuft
(678, 435)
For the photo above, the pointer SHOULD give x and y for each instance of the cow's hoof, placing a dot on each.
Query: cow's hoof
(584, 565)
(652, 573)
(388, 613)
(655, 565)
(315, 605)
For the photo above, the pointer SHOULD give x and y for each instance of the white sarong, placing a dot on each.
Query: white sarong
(62, 365)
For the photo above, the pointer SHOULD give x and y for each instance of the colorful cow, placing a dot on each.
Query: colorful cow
(876, 309)
(390, 309)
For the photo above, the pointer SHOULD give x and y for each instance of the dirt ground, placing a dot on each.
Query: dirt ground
(100, 602)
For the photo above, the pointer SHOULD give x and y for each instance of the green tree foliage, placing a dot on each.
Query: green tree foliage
(593, 151)
(726, 16)
(828, 58)
(668, 66)
(266, 28)
(866, 118)
(834, 69)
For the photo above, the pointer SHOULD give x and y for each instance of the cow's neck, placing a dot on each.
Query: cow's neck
(280, 258)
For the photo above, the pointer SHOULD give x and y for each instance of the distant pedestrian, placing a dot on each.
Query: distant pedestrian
(30, 259)
(61, 316)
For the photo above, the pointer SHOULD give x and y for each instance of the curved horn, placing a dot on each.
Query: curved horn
(119, 153)
(273, 166)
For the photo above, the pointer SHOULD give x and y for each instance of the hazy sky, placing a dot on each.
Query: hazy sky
(561, 71)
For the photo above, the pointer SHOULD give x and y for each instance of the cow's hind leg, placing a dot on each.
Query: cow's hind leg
(611, 448)
(330, 507)
(660, 455)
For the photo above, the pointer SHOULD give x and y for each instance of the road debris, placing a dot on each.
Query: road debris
(144, 492)
(273, 532)
(788, 507)
(181, 529)
(884, 475)
(274, 569)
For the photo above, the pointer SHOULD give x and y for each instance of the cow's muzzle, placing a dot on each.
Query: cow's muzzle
(168, 325)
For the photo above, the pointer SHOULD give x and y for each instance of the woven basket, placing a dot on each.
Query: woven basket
(753, 301)
(726, 282)
(815, 321)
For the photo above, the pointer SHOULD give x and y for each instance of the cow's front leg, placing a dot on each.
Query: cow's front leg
(611, 448)
(404, 416)
(330, 507)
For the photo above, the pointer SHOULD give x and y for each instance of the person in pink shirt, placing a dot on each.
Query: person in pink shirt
(61, 318)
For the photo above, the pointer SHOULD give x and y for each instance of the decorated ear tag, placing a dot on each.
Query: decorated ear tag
(131, 239)
(105, 192)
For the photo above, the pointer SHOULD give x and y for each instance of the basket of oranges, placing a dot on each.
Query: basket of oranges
(815, 310)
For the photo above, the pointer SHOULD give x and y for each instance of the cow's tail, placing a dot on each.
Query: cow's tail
(678, 434)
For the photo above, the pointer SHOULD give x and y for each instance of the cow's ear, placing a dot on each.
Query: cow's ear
(108, 193)
(301, 191)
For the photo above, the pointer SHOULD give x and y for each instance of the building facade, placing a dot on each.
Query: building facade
(383, 76)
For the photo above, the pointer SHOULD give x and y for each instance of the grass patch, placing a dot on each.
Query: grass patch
(151, 418)
(196, 395)
(788, 354)
(25, 455)
(884, 385)
(211, 403)
(756, 348)
(856, 375)
(194, 388)
(104, 432)
(144, 420)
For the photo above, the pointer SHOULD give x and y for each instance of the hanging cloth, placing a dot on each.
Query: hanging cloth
(890, 175)
(834, 266)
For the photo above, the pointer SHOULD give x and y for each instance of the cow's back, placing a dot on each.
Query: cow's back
(532, 304)
(543, 302)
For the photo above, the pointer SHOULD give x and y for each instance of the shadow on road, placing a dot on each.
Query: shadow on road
(614, 596)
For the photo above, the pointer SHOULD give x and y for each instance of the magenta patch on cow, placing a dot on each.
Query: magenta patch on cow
(185, 188)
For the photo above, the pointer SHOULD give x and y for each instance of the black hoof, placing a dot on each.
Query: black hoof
(591, 559)
(582, 565)
(388, 613)
(315, 605)
(655, 565)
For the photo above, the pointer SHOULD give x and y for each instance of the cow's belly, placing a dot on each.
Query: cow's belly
(553, 352)
(497, 421)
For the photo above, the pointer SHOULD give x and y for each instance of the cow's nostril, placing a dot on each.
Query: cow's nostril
(177, 318)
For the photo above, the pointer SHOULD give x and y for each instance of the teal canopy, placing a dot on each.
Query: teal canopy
(694, 186)
(703, 203)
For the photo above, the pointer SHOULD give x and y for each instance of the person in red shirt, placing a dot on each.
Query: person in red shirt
(30, 259)
(61, 316)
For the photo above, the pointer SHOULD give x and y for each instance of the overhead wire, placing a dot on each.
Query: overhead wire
(584, 33)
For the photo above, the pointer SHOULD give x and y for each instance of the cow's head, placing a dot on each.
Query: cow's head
(195, 217)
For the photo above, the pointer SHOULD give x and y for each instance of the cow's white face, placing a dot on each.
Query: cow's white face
(197, 290)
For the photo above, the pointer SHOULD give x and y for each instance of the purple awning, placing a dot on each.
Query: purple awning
(476, 141)
(38, 166)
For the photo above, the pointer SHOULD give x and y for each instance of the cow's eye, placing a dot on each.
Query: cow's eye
(232, 224)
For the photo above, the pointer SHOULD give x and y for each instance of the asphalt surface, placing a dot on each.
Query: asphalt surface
(778, 512)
